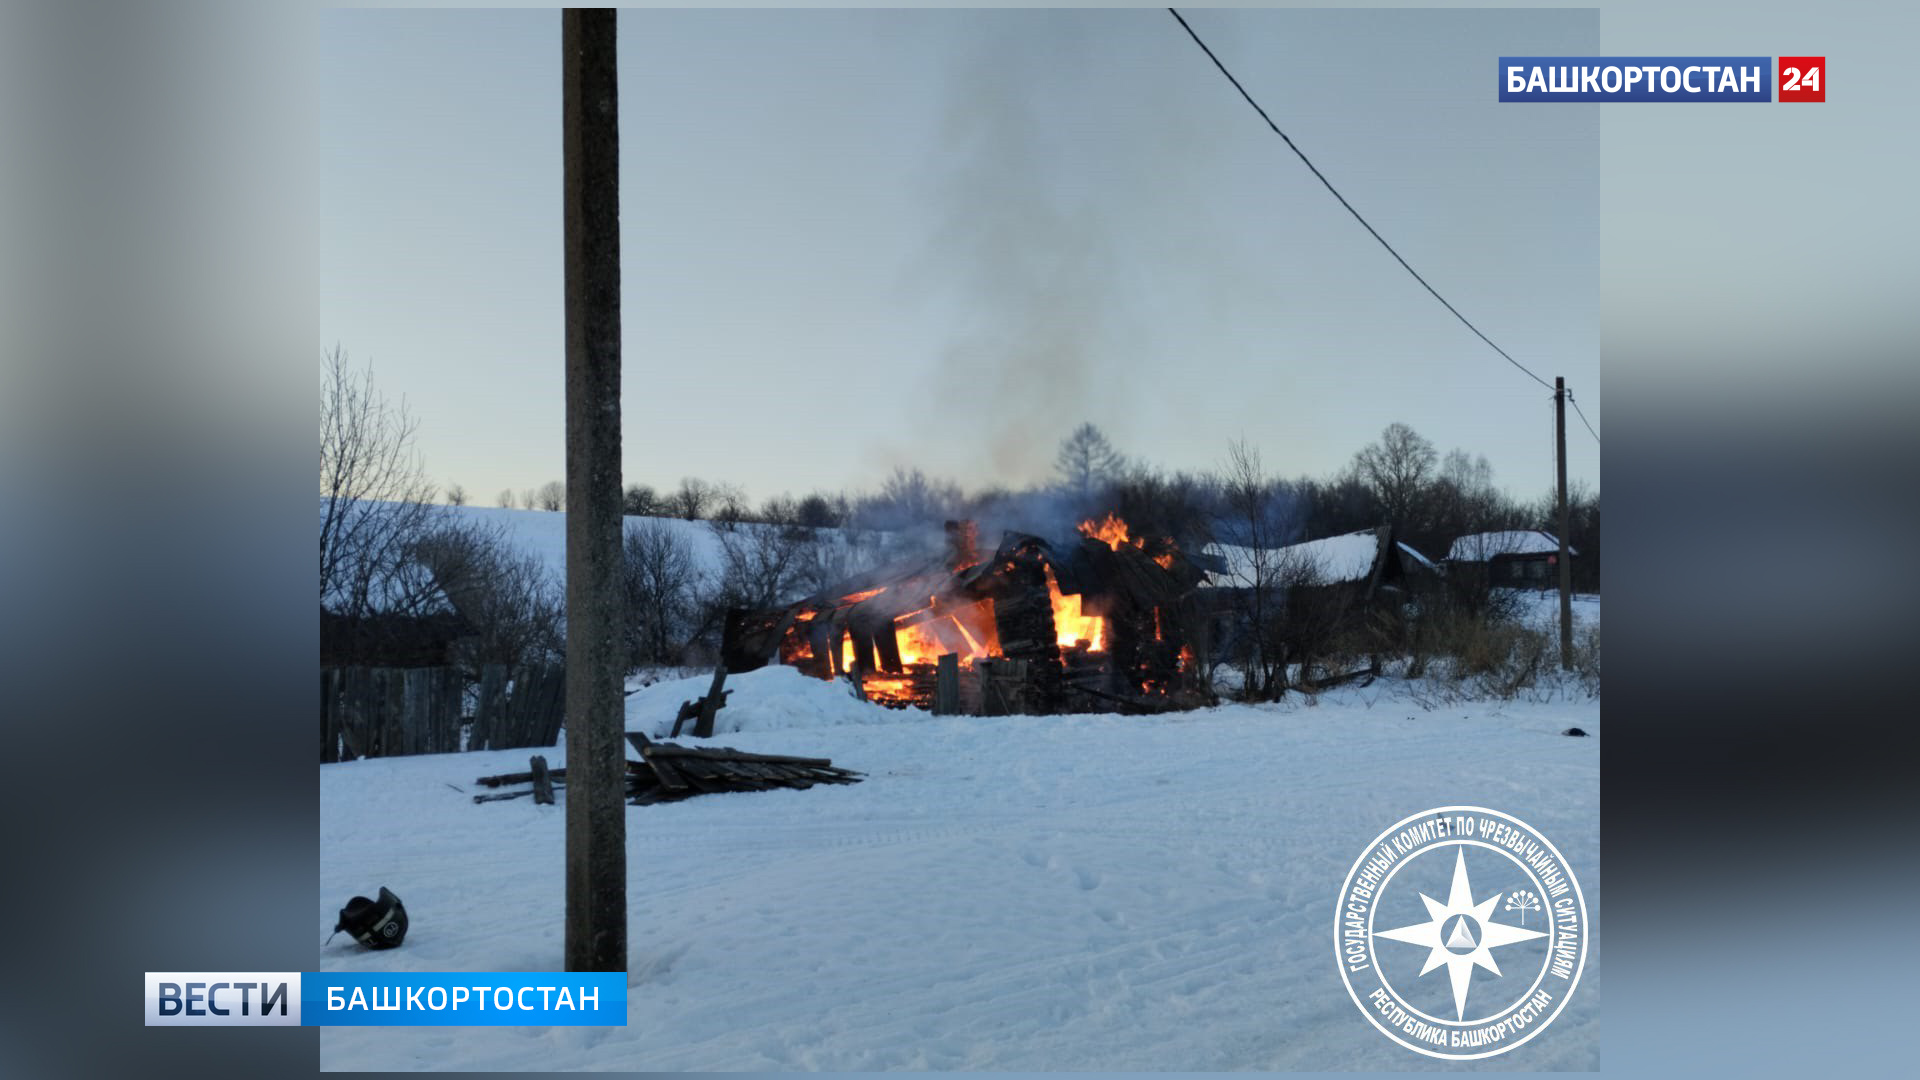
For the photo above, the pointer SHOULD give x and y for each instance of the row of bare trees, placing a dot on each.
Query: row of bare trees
(387, 548)
(677, 603)
(1400, 478)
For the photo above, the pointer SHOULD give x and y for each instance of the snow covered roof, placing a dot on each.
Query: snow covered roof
(1315, 562)
(1479, 547)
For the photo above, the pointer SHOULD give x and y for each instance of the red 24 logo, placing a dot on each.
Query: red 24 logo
(1803, 78)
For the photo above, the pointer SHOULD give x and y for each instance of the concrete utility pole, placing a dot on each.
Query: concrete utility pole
(1566, 568)
(596, 762)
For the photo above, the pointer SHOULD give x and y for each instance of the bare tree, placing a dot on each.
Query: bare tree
(780, 510)
(504, 500)
(908, 499)
(817, 511)
(456, 495)
(1258, 518)
(1176, 505)
(552, 496)
(374, 493)
(1087, 462)
(759, 565)
(729, 505)
(529, 499)
(639, 500)
(1460, 500)
(690, 500)
(1396, 467)
(663, 583)
(513, 606)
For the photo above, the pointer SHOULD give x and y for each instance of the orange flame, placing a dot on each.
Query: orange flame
(1111, 532)
(926, 641)
(1072, 625)
(922, 643)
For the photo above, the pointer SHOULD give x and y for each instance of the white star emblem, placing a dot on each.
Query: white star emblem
(1469, 932)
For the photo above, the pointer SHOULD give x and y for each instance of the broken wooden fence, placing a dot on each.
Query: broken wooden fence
(386, 712)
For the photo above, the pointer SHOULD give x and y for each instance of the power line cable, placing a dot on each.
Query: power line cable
(1582, 416)
(1343, 202)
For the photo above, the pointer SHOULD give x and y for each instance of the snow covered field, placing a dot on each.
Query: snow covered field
(1086, 892)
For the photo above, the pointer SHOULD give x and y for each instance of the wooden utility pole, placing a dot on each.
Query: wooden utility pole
(596, 761)
(1566, 568)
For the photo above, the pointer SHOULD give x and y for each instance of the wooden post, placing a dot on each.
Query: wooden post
(946, 685)
(703, 721)
(886, 643)
(858, 675)
(596, 936)
(1566, 568)
(542, 780)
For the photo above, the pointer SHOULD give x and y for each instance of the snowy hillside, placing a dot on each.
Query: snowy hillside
(544, 533)
(1099, 892)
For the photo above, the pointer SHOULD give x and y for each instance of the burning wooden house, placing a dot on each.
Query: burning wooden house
(1110, 620)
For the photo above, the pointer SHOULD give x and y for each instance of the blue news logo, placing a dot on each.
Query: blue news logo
(223, 999)
(1636, 78)
(310, 999)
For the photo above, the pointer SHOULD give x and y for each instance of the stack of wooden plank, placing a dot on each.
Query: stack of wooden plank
(667, 772)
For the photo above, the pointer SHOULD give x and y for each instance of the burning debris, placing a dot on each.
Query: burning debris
(1031, 628)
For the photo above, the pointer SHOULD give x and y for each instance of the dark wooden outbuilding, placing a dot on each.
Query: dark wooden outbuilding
(1514, 559)
(389, 640)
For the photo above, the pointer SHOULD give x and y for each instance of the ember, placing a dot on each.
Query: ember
(1027, 628)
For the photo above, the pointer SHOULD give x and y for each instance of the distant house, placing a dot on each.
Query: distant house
(1363, 562)
(1516, 558)
(407, 620)
(1337, 588)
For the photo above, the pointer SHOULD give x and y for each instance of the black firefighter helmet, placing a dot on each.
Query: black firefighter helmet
(377, 924)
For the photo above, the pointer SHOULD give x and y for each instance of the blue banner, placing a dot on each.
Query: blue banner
(1636, 78)
(465, 998)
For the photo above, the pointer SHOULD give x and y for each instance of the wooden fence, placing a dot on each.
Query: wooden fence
(384, 712)
(527, 713)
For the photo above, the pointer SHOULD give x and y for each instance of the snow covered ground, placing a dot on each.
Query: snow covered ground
(1541, 608)
(1047, 893)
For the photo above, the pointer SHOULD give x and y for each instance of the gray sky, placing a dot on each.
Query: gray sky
(859, 239)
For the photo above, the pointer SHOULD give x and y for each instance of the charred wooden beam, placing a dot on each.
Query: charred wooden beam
(886, 643)
(715, 700)
(946, 691)
(822, 639)
(863, 651)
